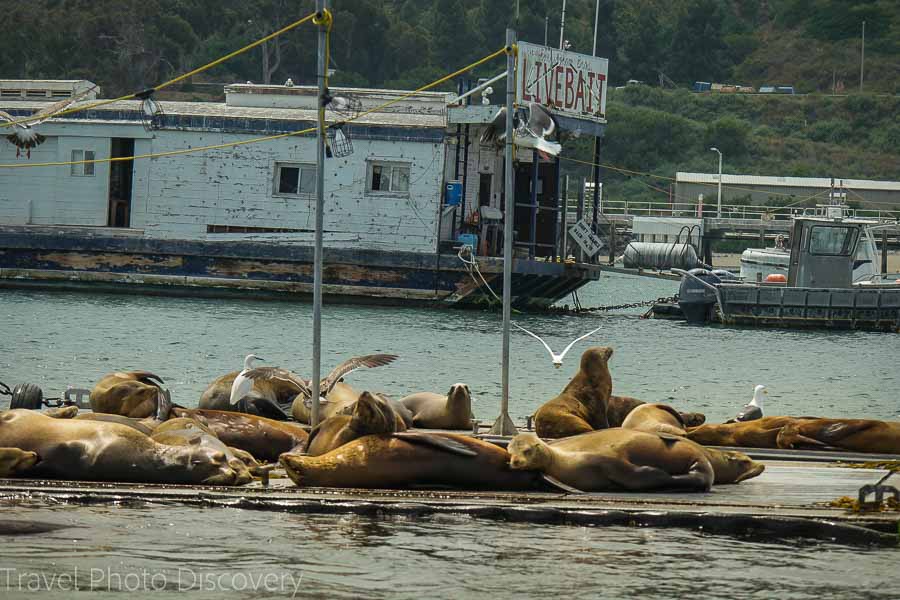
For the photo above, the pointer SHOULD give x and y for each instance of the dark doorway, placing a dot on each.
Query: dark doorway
(484, 189)
(121, 179)
(546, 215)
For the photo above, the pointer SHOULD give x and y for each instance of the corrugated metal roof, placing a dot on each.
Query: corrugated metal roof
(220, 109)
(801, 182)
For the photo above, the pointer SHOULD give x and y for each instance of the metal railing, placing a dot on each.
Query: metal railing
(729, 211)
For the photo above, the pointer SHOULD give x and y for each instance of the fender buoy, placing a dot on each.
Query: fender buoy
(27, 395)
(776, 278)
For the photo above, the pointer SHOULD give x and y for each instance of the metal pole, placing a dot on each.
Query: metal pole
(504, 425)
(535, 163)
(546, 28)
(596, 22)
(862, 57)
(321, 6)
(596, 182)
(719, 206)
(884, 252)
(562, 26)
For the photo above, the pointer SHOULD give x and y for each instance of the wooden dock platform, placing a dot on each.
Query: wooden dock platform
(790, 499)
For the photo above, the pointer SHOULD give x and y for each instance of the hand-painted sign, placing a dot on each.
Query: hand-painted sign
(584, 237)
(572, 84)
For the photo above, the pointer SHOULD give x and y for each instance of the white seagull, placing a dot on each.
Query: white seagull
(527, 134)
(24, 136)
(754, 410)
(243, 384)
(558, 358)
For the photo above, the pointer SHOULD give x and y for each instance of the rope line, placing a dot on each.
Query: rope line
(198, 70)
(259, 139)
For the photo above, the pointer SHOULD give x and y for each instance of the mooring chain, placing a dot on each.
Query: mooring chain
(661, 300)
(4, 390)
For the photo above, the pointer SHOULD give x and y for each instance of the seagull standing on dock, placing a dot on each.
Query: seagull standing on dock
(24, 136)
(558, 358)
(754, 410)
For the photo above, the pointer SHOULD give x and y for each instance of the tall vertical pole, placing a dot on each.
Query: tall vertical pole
(546, 29)
(596, 23)
(719, 202)
(862, 57)
(321, 6)
(562, 26)
(504, 425)
(596, 160)
(535, 164)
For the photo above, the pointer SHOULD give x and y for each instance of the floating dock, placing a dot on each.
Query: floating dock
(791, 499)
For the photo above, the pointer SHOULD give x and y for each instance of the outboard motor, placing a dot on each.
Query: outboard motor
(697, 301)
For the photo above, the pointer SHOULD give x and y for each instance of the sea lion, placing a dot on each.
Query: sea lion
(99, 451)
(136, 424)
(264, 438)
(731, 466)
(15, 460)
(406, 459)
(620, 407)
(339, 401)
(265, 398)
(615, 460)
(855, 435)
(762, 433)
(371, 414)
(131, 394)
(183, 423)
(655, 418)
(436, 411)
(62, 412)
(198, 437)
(581, 406)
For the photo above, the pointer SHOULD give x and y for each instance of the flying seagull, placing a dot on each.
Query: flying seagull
(558, 358)
(754, 410)
(24, 136)
(530, 133)
(304, 386)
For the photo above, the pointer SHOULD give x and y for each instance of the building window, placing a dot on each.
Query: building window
(831, 241)
(386, 177)
(81, 169)
(292, 179)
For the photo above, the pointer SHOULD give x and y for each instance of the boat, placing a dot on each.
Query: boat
(824, 285)
(118, 198)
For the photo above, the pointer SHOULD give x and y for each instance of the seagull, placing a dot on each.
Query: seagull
(242, 384)
(24, 136)
(304, 386)
(754, 410)
(530, 133)
(558, 358)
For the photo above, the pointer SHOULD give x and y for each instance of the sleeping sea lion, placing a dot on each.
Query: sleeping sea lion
(198, 437)
(98, 451)
(436, 411)
(181, 423)
(410, 459)
(731, 466)
(370, 415)
(264, 438)
(855, 435)
(581, 406)
(130, 394)
(615, 460)
(761, 433)
(217, 396)
(619, 407)
(15, 460)
(655, 418)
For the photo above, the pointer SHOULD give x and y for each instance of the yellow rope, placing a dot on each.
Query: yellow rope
(25, 165)
(166, 84)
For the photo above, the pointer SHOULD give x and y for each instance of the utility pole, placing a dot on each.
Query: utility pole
(546, 28)
(596, 160)
(596, 22)
(862, 57)
(719, 205)
(321, 7)
(504, 425)
(562, 27)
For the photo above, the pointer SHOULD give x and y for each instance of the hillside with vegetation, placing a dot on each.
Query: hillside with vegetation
(814, 45)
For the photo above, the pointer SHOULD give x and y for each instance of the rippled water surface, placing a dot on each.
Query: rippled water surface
(55, 339)
(111, 550)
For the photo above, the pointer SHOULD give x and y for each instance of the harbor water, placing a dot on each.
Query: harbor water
(55, 339)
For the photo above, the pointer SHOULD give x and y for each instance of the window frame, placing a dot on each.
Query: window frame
(276, 179)
(81, 166)
(391, 164)
(850, 247)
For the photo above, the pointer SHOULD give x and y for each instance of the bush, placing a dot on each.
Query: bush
(835, 131)
(728, 134)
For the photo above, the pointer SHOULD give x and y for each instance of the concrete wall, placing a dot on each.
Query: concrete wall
(687, 192)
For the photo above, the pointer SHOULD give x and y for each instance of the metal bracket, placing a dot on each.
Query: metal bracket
(879, 490)
(80, 397)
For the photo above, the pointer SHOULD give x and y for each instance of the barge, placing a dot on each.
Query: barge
(213, 199)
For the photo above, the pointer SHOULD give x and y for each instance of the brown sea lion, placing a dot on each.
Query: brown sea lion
(370, 415)
(131, 394)
(615, 460)
(619, 407)
(732, 466)
(339, 401)
(137, 424)
(62, 412)
(581, 406)
(655, 418)
(265, 392)
(182, 424)
(15, 460)
(98, 451)
(264, 438)
(855, 435)
(761, 433)
(409, 459)
(196, 437)
(436, 411)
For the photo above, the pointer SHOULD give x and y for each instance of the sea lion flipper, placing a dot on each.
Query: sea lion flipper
(147, 377)
(436, 441)
(838, 431)
(560, 485)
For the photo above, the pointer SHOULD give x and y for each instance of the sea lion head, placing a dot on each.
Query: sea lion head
(372, 414)
(732, 466)
(596, 358)
(693, 419)
(210, 463)
(459, 395)
(14, 460)
(528, 452)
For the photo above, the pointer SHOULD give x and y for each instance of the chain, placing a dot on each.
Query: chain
(4, 390)
(661, 300)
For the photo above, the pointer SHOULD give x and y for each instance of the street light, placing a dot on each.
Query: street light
(719, 205)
